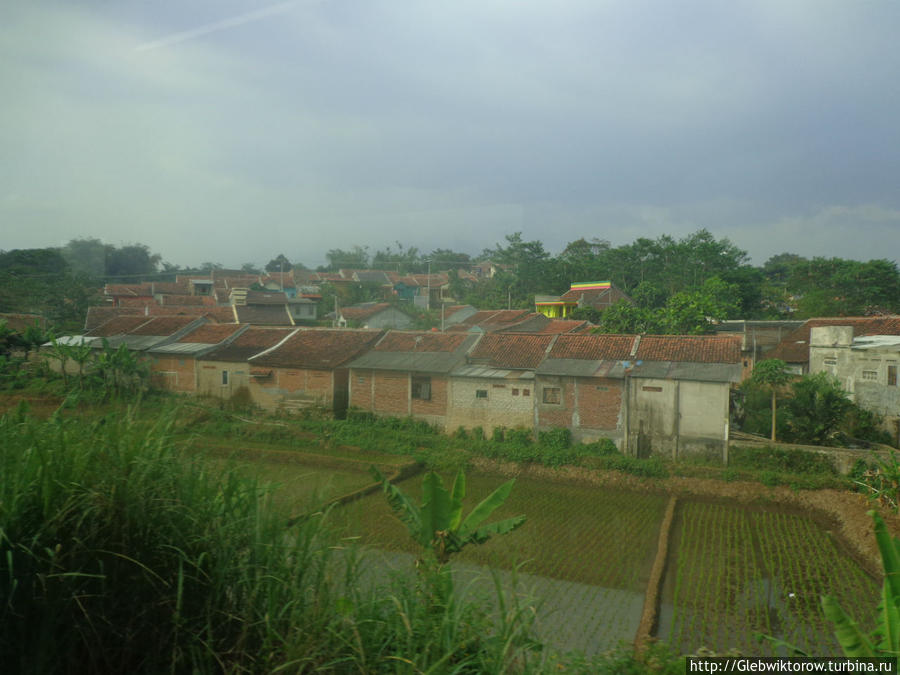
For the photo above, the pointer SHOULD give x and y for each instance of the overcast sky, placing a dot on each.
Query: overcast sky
(231, 131)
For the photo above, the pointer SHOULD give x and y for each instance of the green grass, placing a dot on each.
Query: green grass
(121, 553)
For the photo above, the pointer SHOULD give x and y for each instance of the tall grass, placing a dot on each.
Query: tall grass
(118, 554)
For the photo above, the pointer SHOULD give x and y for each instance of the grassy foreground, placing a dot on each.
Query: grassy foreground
(119, 553)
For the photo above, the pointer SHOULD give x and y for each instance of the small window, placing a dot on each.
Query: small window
(224, 377)
(552, 395)
(526, 392)
(654, 389)
(870, 374)
(892, 376)
(481, 393)
(515, 392)
(830, 362)
(421, 388)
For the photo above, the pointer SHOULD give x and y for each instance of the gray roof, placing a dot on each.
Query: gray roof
(184, 348)
(661, 370)
(416, 362)
(581, 368)
(493, 373)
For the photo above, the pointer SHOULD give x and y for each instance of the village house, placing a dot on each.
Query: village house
(866, 367)
(407, 375)
(308, 369)
(173, 365)
(579, 386)
(224, 371)
(597, 295)
(794, 348)
(495, 385)
(650, 394)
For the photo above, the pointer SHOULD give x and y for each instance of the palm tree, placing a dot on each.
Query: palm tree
(771, 373)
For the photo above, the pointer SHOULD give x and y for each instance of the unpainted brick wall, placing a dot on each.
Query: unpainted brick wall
(599, 403)
(173, 373)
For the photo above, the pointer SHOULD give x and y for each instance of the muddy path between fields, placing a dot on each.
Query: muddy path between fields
(841, 512)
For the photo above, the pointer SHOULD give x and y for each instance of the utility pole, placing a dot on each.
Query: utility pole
(428, 299)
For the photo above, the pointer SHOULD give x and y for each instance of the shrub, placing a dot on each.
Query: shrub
(555, 438)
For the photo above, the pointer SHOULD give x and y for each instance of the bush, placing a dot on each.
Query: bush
(558, 439)
(777, 459)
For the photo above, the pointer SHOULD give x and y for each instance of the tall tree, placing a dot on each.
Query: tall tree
(772, 374)
(280, 263)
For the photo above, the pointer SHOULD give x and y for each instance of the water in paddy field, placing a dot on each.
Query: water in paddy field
(736, 573)
(570, 616)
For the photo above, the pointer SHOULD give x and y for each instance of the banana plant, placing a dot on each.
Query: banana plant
(438, 524)
(884, 640)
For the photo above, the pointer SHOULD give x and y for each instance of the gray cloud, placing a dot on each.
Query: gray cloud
(228, 132)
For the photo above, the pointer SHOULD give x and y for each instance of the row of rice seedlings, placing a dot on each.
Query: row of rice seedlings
(719, 590)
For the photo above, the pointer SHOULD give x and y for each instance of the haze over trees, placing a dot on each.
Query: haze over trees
(676, 284)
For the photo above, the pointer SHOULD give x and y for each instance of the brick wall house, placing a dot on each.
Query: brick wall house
(495, 385)
(308, 369)
(173, 366)
(408, 374)
(224, 371)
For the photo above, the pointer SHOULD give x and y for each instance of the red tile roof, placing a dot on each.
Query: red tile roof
(362, 313)
(20, 322)
(397, 341)
(136, 302)
(162, 325)
(211, 333)
(794, 348)
(97, 316)
(592, 347)
(504, 350)
(218, 314)
(558, 326)
(690, 348)
(189, 300)
(133, 290)
(117, 326)
(249, 343)
(319, 349)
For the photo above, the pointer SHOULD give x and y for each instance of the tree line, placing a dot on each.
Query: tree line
(675, 283)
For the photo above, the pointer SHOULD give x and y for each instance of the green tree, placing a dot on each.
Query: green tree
(771, 374)
(280, 263)
(355, 258)
(816, 409)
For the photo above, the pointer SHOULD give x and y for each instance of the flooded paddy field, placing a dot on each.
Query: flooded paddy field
(585, 553)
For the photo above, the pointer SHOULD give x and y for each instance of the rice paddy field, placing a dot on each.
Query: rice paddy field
(586, 552)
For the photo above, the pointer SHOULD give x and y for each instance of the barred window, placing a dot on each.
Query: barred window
(421, 388)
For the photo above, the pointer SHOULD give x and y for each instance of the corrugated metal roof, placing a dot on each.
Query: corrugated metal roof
(581, 368)
(186, 348)
(493, 373)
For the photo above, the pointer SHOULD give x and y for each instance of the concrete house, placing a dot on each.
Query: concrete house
(650, 394)
(794, 348)
(408, 375)
(677, 391)
(866, 366)
(173, 365)
(495, 385)
(308, 369)
(224, 371)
